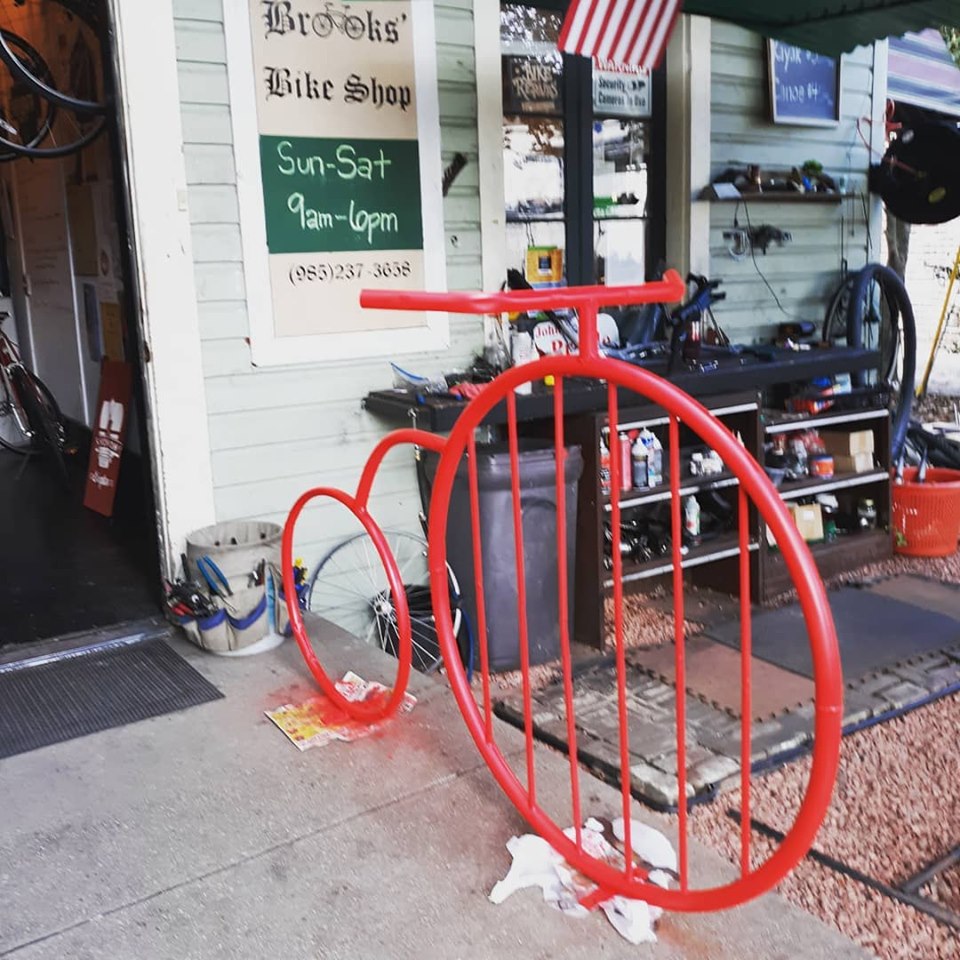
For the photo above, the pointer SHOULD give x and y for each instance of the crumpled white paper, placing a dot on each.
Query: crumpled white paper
(537, 864)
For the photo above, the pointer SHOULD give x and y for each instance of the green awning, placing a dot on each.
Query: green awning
(830, 27)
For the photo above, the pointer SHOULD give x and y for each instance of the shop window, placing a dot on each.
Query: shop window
(580, 169)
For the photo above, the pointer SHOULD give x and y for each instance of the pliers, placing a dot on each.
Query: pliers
(213, 575)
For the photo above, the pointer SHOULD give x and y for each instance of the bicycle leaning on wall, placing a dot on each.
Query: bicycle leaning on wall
(30, 420)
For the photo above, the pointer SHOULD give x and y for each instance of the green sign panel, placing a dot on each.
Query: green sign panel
(327, 195)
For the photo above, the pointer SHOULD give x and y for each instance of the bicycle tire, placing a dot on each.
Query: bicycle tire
(43, 415)
(889, 281)
(835, 319)
(48, 92)
(25, 444)
(64, 150)
(363, 608)
(44, 129)
(358, 28)
(327, 25)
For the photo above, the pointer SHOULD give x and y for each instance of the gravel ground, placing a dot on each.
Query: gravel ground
(896, 807)
(945, 889)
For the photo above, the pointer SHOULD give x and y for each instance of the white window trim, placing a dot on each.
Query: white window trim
(493, 221)
(688, 144)
(146, 65)
(433, 333)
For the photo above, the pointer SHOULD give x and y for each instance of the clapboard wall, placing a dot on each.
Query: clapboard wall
(276, 432)
(805, 271)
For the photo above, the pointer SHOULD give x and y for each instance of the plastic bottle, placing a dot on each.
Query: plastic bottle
(654, 457)
(604, 468)
(523, 351)
(638, 456)
(626, 472)
(691, 519)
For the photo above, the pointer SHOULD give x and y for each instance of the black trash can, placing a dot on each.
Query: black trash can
(538, 500)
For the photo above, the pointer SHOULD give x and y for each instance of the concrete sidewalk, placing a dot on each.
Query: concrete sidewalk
(205, 834)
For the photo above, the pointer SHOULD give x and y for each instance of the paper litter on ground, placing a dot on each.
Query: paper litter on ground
(317, 721)
(537, 864)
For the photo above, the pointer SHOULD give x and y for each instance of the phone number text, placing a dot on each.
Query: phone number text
(345, 272)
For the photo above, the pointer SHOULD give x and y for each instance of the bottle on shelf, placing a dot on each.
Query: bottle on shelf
(638, 457)
(691, 519)
(654, 457)
(626, 462)
(604, 468)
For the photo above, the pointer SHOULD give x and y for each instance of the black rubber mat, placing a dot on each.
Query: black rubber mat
(59, 697)
(874, 632)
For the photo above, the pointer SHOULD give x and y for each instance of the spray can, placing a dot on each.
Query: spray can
(638, 455)
(626, 465)
(604, 468)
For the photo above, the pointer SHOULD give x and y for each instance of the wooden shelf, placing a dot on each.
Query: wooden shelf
(639, 497)
(776, 421)
(847, 552)
(811, 486)
(719, 549)
(785, 196)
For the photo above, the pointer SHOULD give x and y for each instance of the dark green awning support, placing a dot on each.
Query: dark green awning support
(830, 27)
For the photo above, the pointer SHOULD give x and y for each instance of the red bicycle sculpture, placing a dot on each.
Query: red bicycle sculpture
(754, 486)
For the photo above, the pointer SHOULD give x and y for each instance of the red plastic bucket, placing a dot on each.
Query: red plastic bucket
(926, 516)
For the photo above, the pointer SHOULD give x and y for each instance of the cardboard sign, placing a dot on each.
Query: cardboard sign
(109, 431)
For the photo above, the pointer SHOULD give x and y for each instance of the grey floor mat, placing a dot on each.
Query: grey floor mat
(874, 632)
(50, 699)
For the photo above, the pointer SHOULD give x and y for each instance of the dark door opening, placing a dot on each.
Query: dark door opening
(68, 293)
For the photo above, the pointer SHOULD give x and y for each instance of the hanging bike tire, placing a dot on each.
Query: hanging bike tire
(894, 294)
(45, 124)
(46, 90)
(48, 153)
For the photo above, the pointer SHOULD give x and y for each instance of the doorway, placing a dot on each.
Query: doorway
(78, 549)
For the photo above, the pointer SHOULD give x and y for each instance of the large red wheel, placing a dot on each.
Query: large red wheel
(755, 487)
(368, 711)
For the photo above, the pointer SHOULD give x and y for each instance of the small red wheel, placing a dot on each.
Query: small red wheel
(394, 595)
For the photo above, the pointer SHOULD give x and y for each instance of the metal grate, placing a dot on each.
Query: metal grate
(54, 698)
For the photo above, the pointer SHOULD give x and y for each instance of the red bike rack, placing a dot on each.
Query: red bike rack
(754, 486)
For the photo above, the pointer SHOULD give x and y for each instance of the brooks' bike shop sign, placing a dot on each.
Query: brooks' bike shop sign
(348, 156)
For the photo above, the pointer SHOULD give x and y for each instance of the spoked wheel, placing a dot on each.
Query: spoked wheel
(44, 417)
(349, 588)
(871, 309)
(12, 436)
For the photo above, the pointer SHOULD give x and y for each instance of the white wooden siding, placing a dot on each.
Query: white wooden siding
(276, 432)
(806, 270)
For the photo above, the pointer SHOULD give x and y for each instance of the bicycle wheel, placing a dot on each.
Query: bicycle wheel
(26, 118)
(323, 24)
(42, 85)
(349, 589)
(353, 27)
(838, 311)
(12, 436)
(881, 318)
(44, 417)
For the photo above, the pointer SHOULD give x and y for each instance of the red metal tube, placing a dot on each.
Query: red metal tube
(668, 290)
(746, 707)
(613, 420)
(521, 594)
(417, 438)
(679, 619)
(478, 585)
(358, 710)
(563, 611)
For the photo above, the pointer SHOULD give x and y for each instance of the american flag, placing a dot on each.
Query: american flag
(625, 31)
